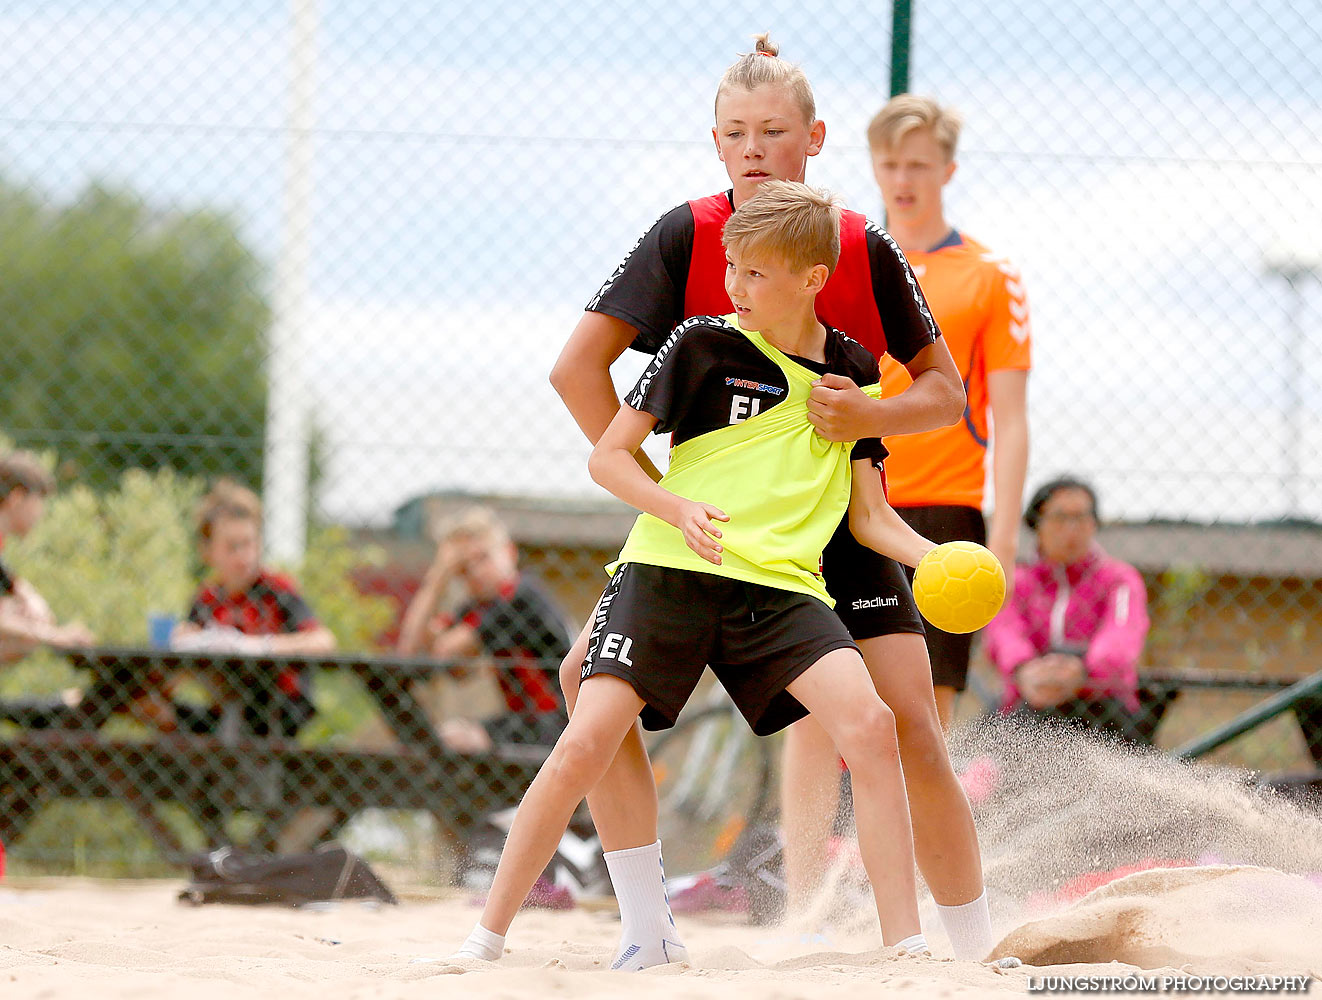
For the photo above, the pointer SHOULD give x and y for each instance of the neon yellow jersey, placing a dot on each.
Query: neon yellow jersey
(784, 486)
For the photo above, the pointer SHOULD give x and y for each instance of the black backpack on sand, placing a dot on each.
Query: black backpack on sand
(329, 873)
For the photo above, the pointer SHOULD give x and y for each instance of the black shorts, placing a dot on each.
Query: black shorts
(872, 594)
(948, 652)
(657, 628)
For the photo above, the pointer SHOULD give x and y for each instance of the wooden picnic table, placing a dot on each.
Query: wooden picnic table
(212, 774)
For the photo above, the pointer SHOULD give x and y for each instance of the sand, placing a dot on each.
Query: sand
(74, 939)
(1100, 861)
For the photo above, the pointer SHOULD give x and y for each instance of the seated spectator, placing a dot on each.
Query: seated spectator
(250, 611)
(26, 620)
(504, 615)
(1070, 635)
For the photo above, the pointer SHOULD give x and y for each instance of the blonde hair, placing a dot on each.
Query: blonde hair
(22, 470)
(796, 223)
(763, 67)
(478, 523)
(228, 500)
(905, 113)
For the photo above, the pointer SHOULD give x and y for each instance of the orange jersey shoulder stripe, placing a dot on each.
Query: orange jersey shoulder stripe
(979, 302)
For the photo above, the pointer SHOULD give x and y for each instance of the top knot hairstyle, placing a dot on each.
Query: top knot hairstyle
(763, 67)
(787, 220)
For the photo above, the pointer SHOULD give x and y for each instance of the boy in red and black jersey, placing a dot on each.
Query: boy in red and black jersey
(249, 610)
(766, 128)
(505, 615)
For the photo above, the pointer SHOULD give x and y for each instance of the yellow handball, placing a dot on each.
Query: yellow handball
(959, 586)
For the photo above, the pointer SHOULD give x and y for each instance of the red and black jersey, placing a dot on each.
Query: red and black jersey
(677, 270)
(271, 606)
(522, 626)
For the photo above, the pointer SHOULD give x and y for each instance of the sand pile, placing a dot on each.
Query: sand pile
(1222, 920)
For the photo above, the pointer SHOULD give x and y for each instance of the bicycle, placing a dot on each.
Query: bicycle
(714, 782)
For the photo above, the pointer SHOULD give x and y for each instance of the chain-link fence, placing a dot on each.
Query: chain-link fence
(331, 249)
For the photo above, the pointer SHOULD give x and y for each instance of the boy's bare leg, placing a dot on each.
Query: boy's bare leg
(606, 710)
(623, 804)
(945, 705)
(809, 796)
(624, 811)
(838, 691)
(945, 840)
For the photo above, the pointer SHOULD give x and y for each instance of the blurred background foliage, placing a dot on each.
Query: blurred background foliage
(135, 337)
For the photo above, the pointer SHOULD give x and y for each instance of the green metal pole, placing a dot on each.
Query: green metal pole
(1256, 716)
(901, 43)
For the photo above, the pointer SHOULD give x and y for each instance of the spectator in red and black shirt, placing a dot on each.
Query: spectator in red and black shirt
(26, 620)
(504, 615)
(248, 610)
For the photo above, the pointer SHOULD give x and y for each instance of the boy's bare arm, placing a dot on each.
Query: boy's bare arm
(17, 626)
(456, 641)
(614, 465)
(26, 619)
(413, 627)
(582, 376)
(1007, 391)
(873, 521)
(310, 641)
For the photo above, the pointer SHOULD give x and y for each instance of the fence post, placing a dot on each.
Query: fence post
(901, 30)
(286, 465)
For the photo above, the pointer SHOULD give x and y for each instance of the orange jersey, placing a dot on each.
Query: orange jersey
(979, 303)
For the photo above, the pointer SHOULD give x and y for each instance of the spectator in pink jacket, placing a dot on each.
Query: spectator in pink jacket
(1068, 640)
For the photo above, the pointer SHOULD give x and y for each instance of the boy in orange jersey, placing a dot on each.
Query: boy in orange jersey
(977, 298)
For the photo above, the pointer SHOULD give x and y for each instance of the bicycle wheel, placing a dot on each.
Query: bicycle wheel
(713, 779)
(577, 864)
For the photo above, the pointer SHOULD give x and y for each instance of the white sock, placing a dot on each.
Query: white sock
(969, 928)
(915, 944)
(483, 944)
(647, 935)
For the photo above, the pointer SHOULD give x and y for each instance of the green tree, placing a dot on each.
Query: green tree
(133, 338)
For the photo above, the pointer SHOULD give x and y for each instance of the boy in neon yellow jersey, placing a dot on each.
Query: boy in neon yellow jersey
(722, 567)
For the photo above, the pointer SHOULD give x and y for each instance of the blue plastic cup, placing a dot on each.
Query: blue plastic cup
(159, 627)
